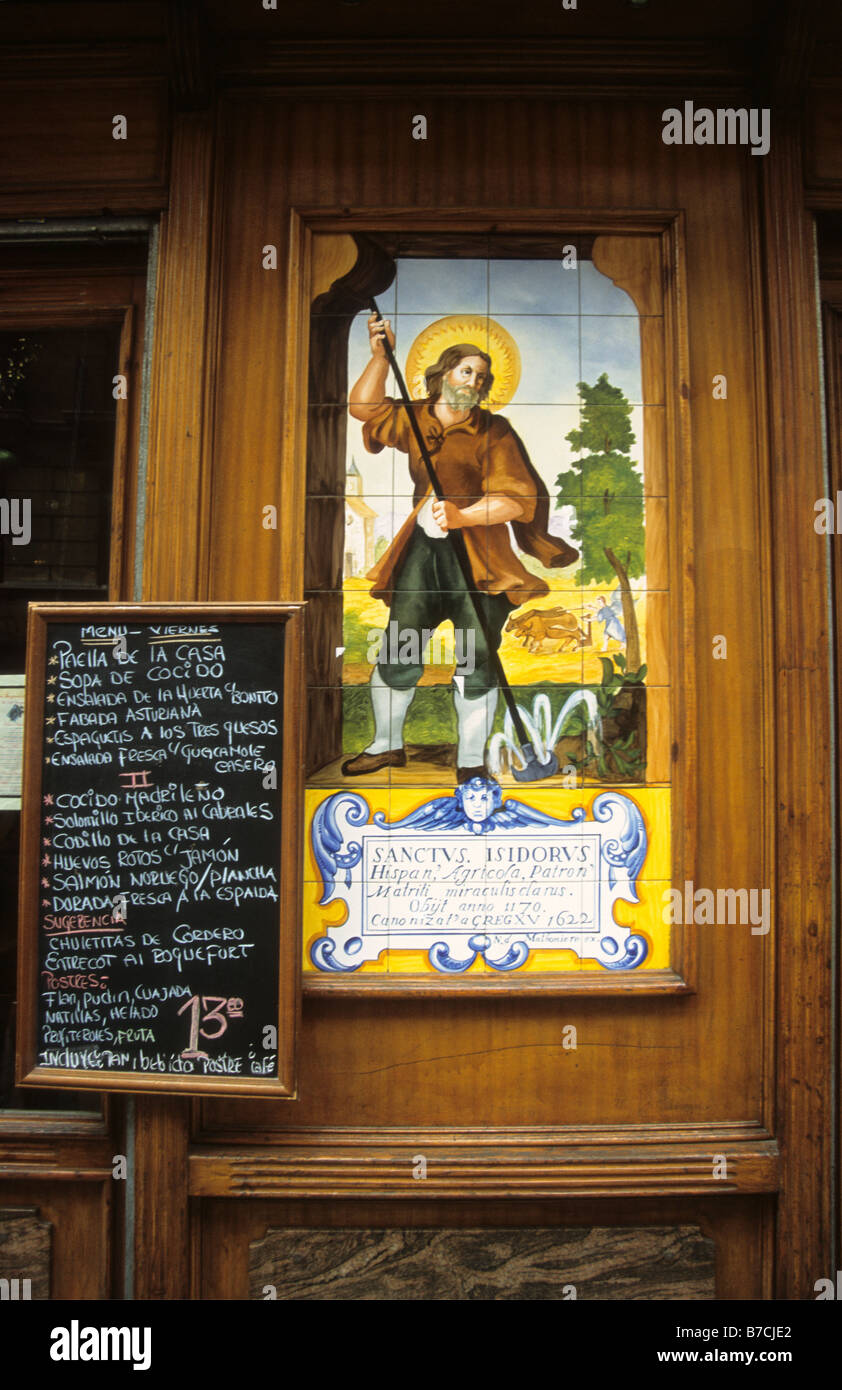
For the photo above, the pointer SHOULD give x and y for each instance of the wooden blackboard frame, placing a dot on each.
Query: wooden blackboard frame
(43, 617)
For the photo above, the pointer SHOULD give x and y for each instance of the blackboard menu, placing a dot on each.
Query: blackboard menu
(160, 855)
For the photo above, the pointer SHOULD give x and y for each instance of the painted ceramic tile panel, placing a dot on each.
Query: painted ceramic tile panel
(494, 806)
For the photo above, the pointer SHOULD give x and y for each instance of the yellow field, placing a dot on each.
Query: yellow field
(550, 663)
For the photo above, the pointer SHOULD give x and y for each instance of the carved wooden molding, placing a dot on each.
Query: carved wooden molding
(385, 1168)
(546, 66)
(604, 1137)
(37, 1126)
(78, 63)
(611, 68)
(44, 1171)
(652, 263)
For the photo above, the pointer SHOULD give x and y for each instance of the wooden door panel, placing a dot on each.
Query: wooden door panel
(686, 1079)
(500, 1063)
(79, 1212)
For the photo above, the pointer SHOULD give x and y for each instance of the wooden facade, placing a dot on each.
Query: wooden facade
(245, 138)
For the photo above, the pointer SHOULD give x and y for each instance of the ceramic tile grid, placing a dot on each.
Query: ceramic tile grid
(547, 329)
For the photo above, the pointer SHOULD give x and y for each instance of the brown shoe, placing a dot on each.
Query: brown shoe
(372, 762)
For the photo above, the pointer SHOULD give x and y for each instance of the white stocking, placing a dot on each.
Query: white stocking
(475, 716)
(390, 707)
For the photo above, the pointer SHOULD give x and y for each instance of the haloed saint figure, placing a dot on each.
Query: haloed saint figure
(488, 484)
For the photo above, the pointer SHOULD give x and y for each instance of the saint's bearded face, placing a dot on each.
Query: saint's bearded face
(461, 388)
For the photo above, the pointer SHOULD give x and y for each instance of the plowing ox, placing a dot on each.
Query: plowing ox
(539, 625)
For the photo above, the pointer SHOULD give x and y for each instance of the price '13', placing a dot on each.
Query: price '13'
(200, 1014)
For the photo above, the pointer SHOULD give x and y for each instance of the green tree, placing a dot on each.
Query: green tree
(606, 494)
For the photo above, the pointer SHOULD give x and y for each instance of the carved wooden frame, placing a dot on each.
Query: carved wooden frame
(680, 976)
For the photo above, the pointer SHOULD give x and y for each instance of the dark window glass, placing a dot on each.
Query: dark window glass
(57, 425)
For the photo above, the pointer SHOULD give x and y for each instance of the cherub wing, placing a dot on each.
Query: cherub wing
(517, 813)
(441, 814)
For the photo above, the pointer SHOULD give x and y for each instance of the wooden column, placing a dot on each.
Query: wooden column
(179, 435)
(177, 513)
(803, 925)
(161, 1224)
(832, 336)
(174, 531)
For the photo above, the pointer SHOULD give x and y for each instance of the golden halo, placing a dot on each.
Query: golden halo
(466, 328)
